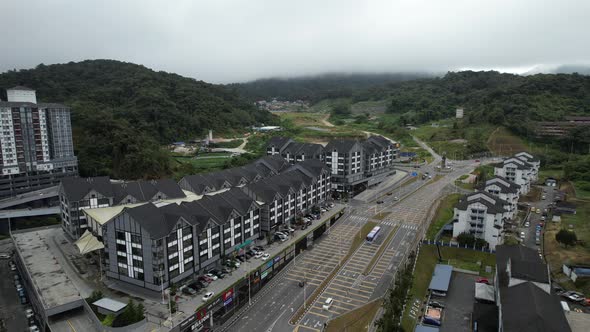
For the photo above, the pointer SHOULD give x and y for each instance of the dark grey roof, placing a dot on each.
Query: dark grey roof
(341, 145)
(17, 104)
(158, 222)
(311, 167)
(520, 165)
(307, 149)
(21, 87)
(526, 307)
(515, 253)
(147, 190)
(533, 159)
(380, 141)
(512, 187)
(75, 188)
(493, 203)
(274, 163)
(279, 142)
(238, 200)
(531, 271)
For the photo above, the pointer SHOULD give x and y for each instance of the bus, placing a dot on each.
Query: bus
(373, 234)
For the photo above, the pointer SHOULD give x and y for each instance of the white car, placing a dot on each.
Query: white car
(211, 275)
(4, 256)
(328, 303)
(522, 235)
(33, 328)
(258, 254)
(573, 296)
(207, 296)
(527, 224)
(265, 257)
(281, 234)
(29, 313)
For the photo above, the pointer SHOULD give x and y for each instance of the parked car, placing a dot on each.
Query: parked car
(218, 273)
(187, 290)
(241, 258)
(12, 267)
(265, 257)
(527, 224)
(379, 202)
(29, 313)
(289, 229)
(23, 300)
(573, 296)
(258, 255)
(396, 198)
(205, 278)
(33, 328)
(328, 303)
(259, 248)
(207, 296)
(437, 293)
(211, 276)
(430, 321)
(389, 193)
(436, 304)
(19, 288)
(522, 235)
(5, 255)
(482, 281)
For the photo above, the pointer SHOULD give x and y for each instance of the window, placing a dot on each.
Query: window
(120, 235)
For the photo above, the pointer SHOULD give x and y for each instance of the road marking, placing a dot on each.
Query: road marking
(71, 326)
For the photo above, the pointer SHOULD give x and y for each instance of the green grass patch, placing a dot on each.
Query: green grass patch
(357, 320)
(382, 248)
(427, 259)
(443, 214)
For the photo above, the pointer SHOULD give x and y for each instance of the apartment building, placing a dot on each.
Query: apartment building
(524, 300)
(235, 177)
(77, 194)
(153, 245)
(482, 215)
(292, 151)
(355, 165)
(36, 148)
(532, 160)
(290, 194)
(519, 171)
(505, 190)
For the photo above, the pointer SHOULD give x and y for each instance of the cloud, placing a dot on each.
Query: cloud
(237, 40)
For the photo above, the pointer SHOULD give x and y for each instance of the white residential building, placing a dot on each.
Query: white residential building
(505, 190)
(482, 215)
(518, 171)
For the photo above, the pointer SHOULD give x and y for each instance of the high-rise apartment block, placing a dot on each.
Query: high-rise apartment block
(36, 148)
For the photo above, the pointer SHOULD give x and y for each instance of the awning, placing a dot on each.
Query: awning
(484, 292)
(88, 243)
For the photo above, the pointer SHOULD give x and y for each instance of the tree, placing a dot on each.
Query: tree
(566, 237)
(466, 239)
(95, 296)
(342, 109)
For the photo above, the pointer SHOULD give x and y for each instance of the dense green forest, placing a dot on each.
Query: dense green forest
(122, 112)
(316, 88)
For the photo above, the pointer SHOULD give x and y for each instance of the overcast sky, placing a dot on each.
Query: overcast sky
(226, 41)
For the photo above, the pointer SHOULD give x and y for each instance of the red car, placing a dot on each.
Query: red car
(206, 278)
(482, 281)
(476, 160)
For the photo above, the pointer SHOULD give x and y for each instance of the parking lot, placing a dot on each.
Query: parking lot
(12, 312)
(458, 303)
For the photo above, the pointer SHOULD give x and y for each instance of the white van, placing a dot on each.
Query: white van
(327, 304)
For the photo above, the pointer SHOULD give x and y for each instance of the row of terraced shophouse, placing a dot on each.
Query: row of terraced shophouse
(486, 212)
(159, 232)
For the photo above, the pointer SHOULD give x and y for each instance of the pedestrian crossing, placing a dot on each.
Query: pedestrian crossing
(393, 223)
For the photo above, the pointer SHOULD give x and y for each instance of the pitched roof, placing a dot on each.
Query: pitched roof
(516, 254)
(278, 142)
(493, 203)
(75, 188)
(17, 104)
(532, 271)
(20, 87)
(311, 167)
(341, 145)
(147, 190)
(158, 222)
(526, 307)
(506, 187)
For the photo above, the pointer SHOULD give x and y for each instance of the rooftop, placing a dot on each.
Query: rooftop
(53, 285)
(441, 278)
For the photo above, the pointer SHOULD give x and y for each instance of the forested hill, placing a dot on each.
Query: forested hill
(122, 112)
(316, 88)
(513, 100)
